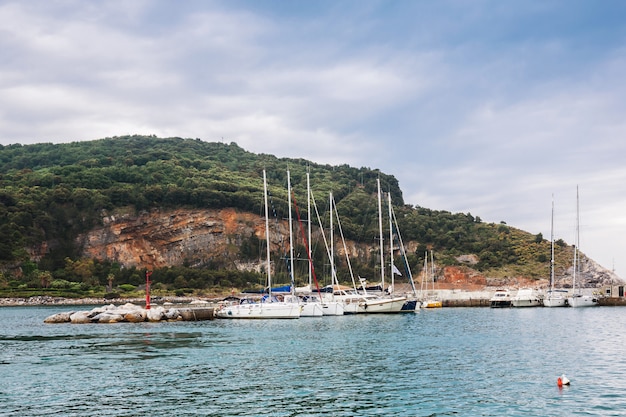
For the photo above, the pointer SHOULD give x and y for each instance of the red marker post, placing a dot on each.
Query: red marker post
(148, 273)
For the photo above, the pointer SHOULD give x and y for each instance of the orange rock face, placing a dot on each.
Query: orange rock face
(165, 238)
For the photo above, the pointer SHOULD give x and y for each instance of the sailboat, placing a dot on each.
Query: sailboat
(431, 301)
(331, 305)
(577, 299)
(269, 307)
(310, 303)
(388, 303)
(352, 301)
(411, 303)
(554, 297)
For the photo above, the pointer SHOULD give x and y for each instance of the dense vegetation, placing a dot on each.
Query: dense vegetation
(50, 193)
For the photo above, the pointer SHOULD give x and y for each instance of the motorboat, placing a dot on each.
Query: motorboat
(526, 297)
(501, 298)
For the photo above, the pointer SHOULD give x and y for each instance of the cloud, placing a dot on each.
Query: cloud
(485, 107)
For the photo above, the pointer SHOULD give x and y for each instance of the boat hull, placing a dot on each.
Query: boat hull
(555, 302)
(259, 311)
(313, 309)
(526, 303)
(526, 297)
(332, 308)
(432, 304)
(500, 304)
(410, 305)
(582, 301)
(386, 305)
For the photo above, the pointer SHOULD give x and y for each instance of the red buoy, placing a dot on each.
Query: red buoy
(559, 382)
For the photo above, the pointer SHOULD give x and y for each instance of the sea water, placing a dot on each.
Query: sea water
(445, 362)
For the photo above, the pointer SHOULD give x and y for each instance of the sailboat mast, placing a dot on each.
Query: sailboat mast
(393, 275)
(380, 234)
(424, 275)
(576, 242)
(308, 208)
(332, 240)
(552, 247)
(291, 270)
(432, 269)
(267, 236)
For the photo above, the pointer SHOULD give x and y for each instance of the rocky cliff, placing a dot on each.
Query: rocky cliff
(162, 238)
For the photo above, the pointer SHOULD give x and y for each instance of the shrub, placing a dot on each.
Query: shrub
(127, 287)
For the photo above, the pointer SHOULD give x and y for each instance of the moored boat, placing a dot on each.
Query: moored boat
(269, 307)
(553, 297)
(500, 299)
(526, 297)
(577, 299)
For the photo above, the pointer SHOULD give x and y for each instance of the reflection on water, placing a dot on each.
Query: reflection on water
(461, 362)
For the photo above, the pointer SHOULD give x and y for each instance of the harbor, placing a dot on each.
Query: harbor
(448, 361)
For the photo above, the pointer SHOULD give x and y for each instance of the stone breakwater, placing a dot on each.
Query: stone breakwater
(131, 313)
(48, 300)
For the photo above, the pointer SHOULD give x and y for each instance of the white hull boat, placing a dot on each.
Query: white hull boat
(311, 309)
(526, 297)
(259, 310)
(385, 305)
(332, 308)
(580, 300)
(500, 299)
(555, 298)
(269, 306)
(576, 299)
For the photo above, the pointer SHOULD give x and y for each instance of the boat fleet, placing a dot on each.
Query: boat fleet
(529, 297)
(553, 297)
(290, 302)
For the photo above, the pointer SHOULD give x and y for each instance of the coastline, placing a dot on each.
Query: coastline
(450, 298)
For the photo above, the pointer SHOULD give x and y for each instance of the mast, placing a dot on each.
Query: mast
(308, 208)
(291, 270)
(552, 247)
(424, 275)
(432, 270)
(380, 233)
(332, 243)
(576, 242)
(267, 237)
(392, 268)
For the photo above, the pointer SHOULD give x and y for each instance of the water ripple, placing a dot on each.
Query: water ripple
(450, 362)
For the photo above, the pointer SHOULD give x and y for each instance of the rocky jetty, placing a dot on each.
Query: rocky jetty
(131, 313)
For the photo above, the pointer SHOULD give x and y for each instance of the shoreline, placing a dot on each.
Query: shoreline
(449, 298)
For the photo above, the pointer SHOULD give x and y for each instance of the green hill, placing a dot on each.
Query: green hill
(51, 193)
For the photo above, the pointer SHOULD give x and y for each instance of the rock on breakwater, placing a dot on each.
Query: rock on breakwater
(131, 313)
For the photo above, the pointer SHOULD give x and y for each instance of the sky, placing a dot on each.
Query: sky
(489, 107)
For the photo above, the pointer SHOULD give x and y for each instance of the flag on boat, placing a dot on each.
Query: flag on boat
(396, 270)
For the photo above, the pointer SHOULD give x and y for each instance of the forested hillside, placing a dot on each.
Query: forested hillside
(51, 193)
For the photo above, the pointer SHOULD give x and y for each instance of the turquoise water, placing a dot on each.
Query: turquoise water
(448, 362)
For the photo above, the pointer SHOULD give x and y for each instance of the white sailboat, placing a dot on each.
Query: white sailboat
(388, 303)
(310, 305)
(332, 305)
(412, 303)
(430, 300)
(269, 307)
(554, 297)
(577, 299)
(352, 301)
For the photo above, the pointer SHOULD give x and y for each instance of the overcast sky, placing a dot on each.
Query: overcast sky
(486, 107)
